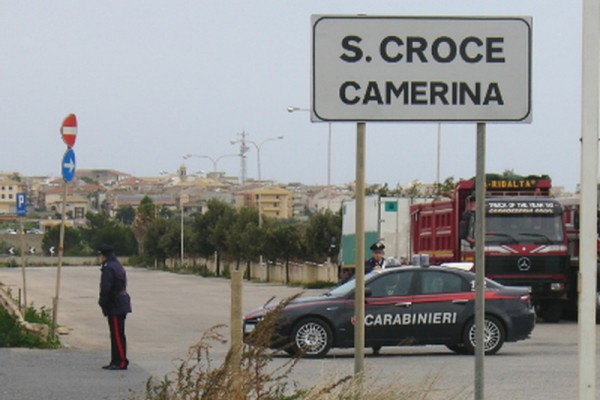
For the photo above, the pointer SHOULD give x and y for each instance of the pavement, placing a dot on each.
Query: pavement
(65, 374)
(170, 313)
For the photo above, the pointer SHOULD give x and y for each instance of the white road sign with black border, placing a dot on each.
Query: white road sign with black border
(384, 68)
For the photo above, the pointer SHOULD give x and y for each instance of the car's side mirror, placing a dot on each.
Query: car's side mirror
(368, 292)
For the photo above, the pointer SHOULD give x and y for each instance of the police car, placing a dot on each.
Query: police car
(408, 305)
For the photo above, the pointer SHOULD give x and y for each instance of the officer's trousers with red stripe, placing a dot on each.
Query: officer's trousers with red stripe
(118, 342)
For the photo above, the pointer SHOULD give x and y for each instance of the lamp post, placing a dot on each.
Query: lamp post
(214, 160)
(292, 109)
(243, 141)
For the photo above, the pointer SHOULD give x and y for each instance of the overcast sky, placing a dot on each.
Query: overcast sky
(152, 80)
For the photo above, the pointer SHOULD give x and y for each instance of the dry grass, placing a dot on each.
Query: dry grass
(197, 378)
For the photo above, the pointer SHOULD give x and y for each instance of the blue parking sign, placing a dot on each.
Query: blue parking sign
(21, 205)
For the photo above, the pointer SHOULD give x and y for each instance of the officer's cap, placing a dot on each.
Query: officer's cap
(377, 247)
(105, 249)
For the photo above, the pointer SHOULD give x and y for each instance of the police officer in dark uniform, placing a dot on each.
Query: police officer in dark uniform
(377, 260)
(116, 304)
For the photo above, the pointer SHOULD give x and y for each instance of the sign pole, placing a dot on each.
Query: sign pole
(236, 328)
(59, 264)
(359, 255)
(22, 232)
(480, 262)
(588, 257)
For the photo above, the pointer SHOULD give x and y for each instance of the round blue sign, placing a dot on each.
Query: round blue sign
(68, 165)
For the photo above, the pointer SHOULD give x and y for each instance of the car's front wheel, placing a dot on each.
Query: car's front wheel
(493, 335)
(312, 337)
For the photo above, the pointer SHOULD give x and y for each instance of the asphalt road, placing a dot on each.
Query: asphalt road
(170, 313)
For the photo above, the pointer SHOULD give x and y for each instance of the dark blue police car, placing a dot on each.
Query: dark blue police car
(406, 305)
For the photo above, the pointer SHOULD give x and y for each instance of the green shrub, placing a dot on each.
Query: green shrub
(12, 334)
(10, 263)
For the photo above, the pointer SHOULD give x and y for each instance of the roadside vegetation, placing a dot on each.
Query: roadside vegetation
(150, 235)
(12, 334)
(198, 377)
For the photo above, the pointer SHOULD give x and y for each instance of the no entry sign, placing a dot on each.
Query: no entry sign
(368, 68)
(68, 130)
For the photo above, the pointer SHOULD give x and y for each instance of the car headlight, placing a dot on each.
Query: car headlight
(249, 327)
(250, 324)
(557, 287)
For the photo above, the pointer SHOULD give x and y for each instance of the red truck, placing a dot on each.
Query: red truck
(571, 219)
(525, 245)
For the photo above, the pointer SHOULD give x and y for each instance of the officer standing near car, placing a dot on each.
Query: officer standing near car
(377, 260)
(116, 304)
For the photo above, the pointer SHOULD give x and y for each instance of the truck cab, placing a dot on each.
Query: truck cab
(525, 243)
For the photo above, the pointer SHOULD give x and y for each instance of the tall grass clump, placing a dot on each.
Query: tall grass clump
(198, 378)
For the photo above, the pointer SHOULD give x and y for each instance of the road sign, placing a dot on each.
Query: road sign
(21, 205)
(68, 165)
(68, 130)
(11, 251)
(32, 250)
(51, 250)
(368, 68)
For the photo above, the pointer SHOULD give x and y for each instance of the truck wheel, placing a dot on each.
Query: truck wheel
(551, 310)
(312, 338)
(493, 336)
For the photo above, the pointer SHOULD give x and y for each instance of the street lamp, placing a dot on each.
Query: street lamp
(214, 160)
(292, 109)
(243, 140)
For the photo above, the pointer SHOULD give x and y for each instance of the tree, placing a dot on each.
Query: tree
(446, 188)
(283, 242)
(162, 239)
(244, 237)
(101, 229)
(71, 244)
(144, 216)
(414, 190)
(211, 230)
(323, 228)
(126, 215)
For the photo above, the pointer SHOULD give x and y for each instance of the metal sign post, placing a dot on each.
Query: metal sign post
(480, 263)
(22, 233)
(236, 328)
(21, 213)
(359, 265)
(59, 263)
(588, 257)
(68, 131)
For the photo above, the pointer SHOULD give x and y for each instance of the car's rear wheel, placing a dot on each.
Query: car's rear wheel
(311, 337)
(493, 334)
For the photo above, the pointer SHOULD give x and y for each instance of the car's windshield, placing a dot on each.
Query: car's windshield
(344, 289)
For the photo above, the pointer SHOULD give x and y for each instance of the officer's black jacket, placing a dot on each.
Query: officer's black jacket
(114, 299)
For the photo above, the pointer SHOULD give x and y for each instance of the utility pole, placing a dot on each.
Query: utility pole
(243, 150)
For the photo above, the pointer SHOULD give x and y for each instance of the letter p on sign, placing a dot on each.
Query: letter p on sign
(21, 205)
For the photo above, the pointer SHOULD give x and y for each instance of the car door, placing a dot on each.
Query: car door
(442, 301)
(388, 307)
